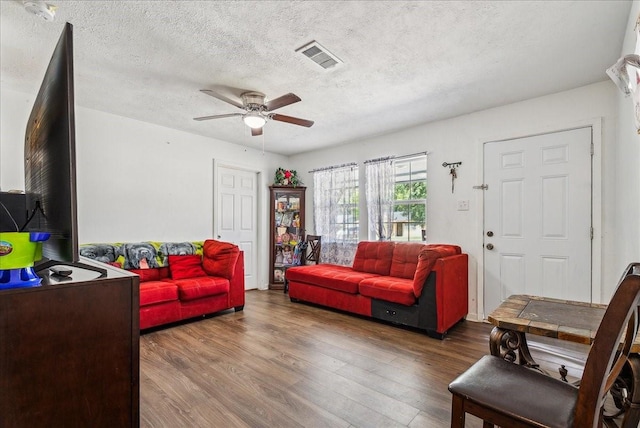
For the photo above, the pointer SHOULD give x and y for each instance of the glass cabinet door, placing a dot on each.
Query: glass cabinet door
(287, 231)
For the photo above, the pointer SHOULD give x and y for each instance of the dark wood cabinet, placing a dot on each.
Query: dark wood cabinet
(69, 352)
(287, 230)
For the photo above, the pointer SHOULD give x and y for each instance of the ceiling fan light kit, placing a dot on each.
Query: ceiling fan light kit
(257, 111)
(254, 119)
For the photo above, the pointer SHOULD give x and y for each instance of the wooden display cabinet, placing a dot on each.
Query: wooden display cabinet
(287, 229)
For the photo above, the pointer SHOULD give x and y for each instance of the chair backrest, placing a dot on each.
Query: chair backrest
(610, 349)
(315, 243)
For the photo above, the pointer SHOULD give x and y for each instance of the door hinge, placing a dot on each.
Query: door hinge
(482, 187)
(592, 233)
(592, 149)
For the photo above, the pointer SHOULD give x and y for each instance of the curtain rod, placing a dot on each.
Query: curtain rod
(344, 165)
(379, 160)
(395, 157)
(412, 155)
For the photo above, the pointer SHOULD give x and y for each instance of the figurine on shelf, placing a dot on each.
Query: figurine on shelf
(297, 255)
(287, 255)
(296, 221)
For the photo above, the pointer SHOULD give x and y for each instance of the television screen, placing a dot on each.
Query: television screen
(49, 157)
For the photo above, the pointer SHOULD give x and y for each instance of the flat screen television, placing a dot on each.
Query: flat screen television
(50, 160)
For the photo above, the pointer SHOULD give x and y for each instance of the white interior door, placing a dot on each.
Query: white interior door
(537, 217)
(236, 215)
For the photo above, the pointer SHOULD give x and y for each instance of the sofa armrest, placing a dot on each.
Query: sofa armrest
(236, 284)
(452, 290)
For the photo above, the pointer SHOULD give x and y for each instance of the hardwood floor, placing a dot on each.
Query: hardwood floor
(283, 364)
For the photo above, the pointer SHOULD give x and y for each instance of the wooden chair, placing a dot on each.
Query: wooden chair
(510, 395)
(315, 244)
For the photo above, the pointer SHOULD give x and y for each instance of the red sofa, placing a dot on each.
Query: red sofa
(412, 284)
(179, 281)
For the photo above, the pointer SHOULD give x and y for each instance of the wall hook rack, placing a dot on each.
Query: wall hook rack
(451, 164)
(452, 170)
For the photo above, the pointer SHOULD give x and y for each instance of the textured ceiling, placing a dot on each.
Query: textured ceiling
(405, 62)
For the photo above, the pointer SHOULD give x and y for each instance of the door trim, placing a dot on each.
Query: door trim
(596, 204)
(217, 163)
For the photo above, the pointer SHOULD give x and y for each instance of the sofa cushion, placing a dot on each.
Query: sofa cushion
(152, 292)
(405, 259)
(183, 267)
(373, 257)
(220, 258)
(335, 277)
(195, 288)
(427, 259)
(151, 274)
(389, 288)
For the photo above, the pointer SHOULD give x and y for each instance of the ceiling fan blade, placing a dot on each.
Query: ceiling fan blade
(282, 101)
(256, 131)
(293, 120)
(217, 116)
(222, 98)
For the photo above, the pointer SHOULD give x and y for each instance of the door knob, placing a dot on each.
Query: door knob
(489, 233)
(489, 246)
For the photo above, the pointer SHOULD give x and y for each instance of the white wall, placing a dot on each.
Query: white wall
(138, 181)
(460, 139)
(626, 239)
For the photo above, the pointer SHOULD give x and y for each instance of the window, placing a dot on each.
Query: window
(336, 212)
(409, 208)
(335, 201)
(346, 220)
(397, 198)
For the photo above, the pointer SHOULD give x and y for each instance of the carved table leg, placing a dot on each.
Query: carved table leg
(511, 346)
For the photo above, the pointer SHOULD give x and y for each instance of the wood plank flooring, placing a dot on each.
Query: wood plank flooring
(283, 364)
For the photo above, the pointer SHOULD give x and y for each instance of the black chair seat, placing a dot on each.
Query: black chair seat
(518, 392)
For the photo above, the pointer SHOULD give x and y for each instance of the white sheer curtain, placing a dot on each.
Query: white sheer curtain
(379, 194)
(324, 207)
(331, 188)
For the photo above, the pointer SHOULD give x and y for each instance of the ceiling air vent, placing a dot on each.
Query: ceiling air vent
(318, 54)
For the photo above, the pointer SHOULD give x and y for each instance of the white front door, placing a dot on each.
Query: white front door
(236, 215)
(537, 217)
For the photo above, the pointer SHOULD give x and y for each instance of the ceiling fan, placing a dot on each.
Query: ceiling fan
(257, 111)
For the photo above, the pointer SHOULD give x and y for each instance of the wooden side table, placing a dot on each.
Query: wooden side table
(561, 319)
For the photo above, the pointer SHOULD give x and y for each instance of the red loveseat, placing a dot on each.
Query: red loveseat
(179, 281)
(412, 284)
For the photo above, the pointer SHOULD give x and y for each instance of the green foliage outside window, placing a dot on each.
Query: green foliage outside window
(415, 213)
